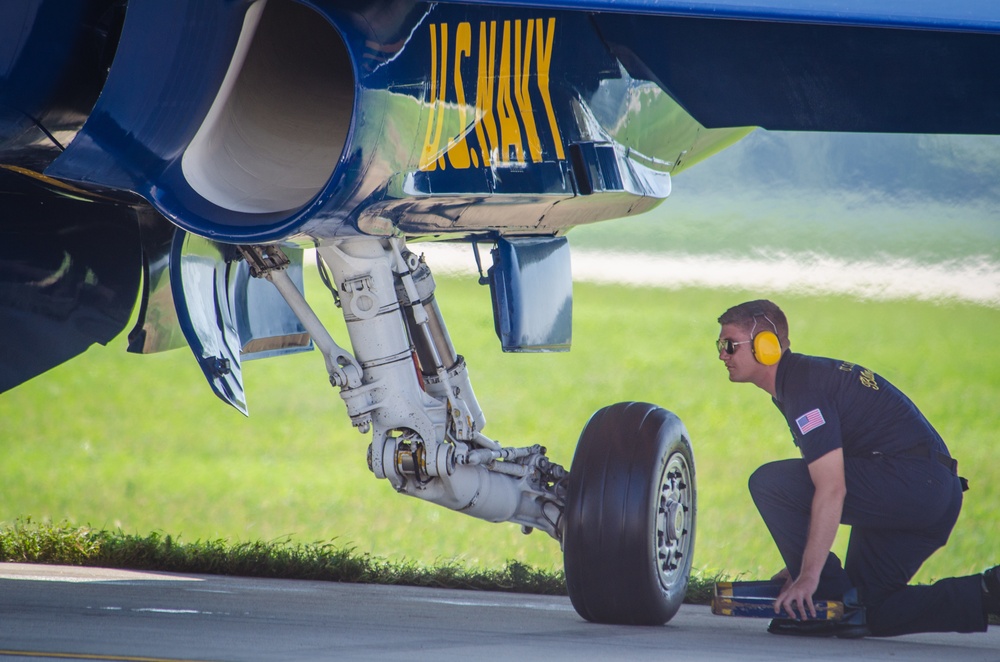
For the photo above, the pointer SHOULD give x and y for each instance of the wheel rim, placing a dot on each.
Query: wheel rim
(674, 523)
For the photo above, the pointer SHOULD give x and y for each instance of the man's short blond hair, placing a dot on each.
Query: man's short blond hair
(757, 315)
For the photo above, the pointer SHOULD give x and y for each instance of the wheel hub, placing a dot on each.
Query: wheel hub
(674, 520)
(673, 526)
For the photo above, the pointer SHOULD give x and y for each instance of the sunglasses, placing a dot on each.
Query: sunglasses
(728, 346)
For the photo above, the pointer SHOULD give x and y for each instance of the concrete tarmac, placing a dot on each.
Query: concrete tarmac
(57, 612)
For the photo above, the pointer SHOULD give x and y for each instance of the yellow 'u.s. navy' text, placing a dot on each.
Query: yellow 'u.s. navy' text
(503, 128)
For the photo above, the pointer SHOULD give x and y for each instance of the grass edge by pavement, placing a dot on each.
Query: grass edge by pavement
(26, 541)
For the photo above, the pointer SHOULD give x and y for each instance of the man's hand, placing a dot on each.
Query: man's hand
(796, 597)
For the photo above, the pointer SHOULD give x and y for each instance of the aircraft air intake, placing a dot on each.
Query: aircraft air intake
(279, 122)
(229, 118)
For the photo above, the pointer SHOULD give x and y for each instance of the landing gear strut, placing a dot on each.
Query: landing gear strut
(626, 512)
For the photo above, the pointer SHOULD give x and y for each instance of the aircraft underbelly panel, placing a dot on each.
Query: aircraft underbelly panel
(815, 77)
(274, 121)
(284, 121)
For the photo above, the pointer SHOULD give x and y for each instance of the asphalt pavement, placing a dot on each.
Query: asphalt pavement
(64, 613)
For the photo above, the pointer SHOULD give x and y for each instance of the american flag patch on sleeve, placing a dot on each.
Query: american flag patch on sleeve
(810, 420)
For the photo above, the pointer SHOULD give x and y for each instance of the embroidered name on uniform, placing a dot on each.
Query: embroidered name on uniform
(868, 379)
(810, 421)
(867, 376)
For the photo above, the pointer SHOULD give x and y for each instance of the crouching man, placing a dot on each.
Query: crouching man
(870, 460)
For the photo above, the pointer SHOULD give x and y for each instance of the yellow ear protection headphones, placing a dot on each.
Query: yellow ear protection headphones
(766, 348)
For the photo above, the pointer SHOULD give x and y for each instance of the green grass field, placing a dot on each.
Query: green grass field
(139, 442)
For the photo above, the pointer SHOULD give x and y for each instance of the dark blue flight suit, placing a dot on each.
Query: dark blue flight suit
(903, 495)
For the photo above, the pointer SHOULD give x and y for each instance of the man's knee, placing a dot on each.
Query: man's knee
(758, 482)
(781, 480)
(766, 478)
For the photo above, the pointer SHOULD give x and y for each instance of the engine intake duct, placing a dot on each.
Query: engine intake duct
(229, 117)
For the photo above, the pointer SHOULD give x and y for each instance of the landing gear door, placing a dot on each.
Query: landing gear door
(531, 282)
(226, 315)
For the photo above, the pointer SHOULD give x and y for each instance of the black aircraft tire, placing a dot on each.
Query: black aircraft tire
(630, 514)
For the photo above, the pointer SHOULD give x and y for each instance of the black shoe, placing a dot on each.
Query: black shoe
(839, 629)
(794, 628)
(991, 590)
(849, 631)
